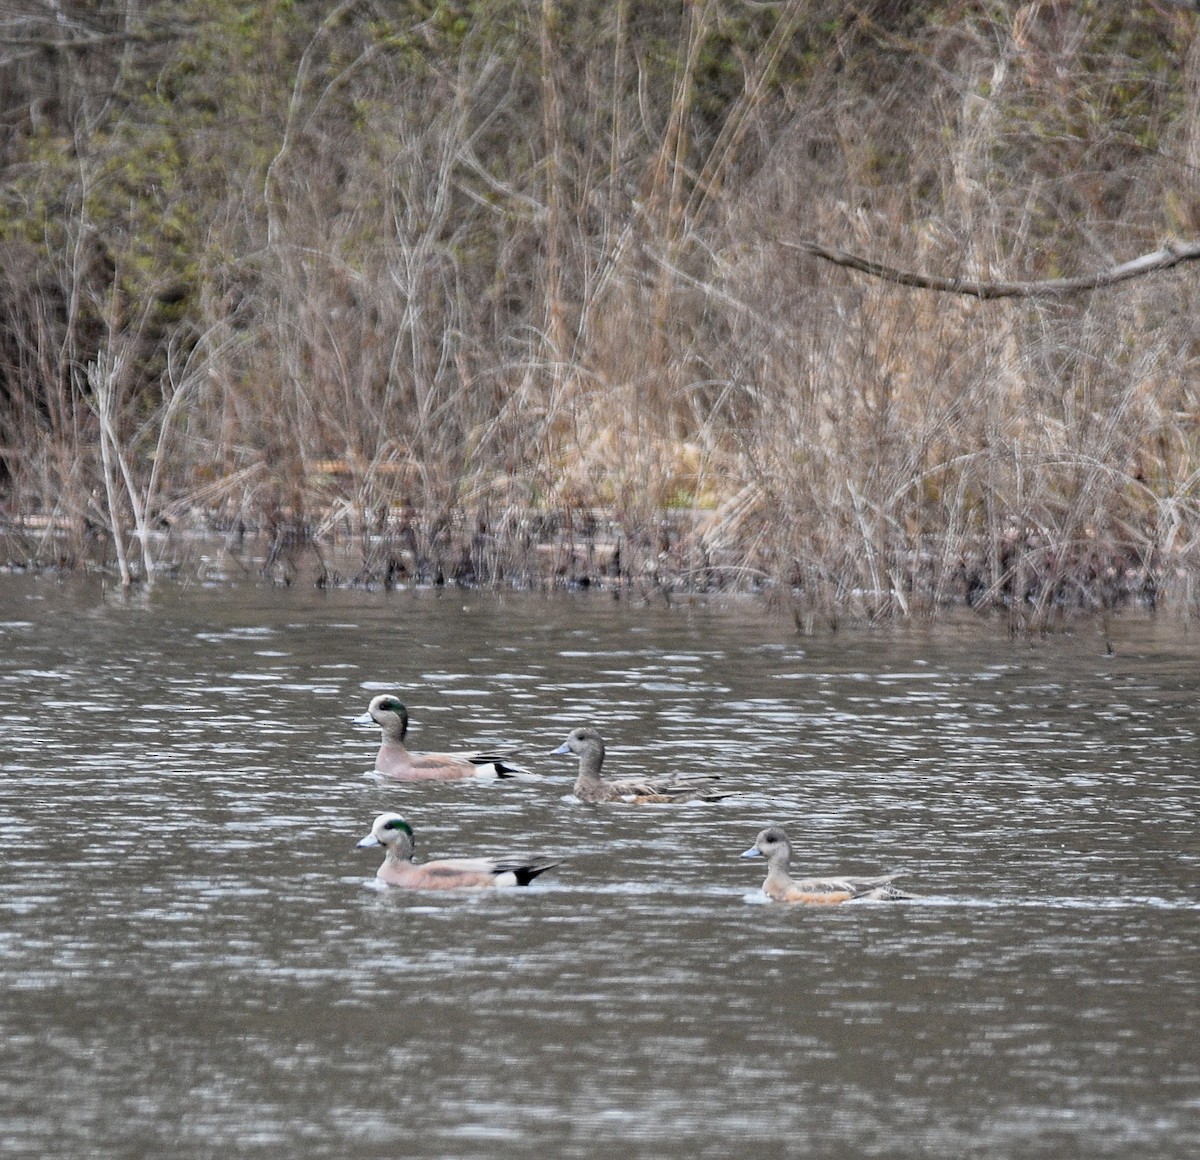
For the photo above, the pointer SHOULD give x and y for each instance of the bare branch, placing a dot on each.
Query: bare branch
(1171, 254)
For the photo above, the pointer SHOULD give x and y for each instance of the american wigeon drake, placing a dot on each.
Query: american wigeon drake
(587, 745)
(400, 867)
(395, 760)
(772, 843)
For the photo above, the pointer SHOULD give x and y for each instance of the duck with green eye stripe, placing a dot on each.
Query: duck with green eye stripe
(395, 760)
(401, 868)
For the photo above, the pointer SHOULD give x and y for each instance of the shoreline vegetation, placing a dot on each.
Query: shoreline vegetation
(589, 551)
(873, 310)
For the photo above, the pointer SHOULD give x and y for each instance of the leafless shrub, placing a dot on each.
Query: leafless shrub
(500, 301)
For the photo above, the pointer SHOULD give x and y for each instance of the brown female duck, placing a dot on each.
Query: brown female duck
(587, 745)
(772, 843)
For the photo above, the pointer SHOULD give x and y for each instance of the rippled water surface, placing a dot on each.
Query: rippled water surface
(195, 962)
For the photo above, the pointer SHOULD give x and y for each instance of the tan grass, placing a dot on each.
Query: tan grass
(530, 323)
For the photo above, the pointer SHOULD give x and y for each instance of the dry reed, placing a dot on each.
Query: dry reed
(530, 322)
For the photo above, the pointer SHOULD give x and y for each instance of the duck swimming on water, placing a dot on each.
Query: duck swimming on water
(587, 745)
(395, 760)
(401, 868)
(773, 844)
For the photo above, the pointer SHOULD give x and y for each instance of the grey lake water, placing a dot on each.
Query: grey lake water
(195, 960)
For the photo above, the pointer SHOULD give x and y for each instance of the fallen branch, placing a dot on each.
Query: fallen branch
(1171, 254)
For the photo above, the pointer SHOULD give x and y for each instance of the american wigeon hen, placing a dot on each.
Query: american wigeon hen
(395, 760)
(772, 843)
(587, 745)
(400, 867)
